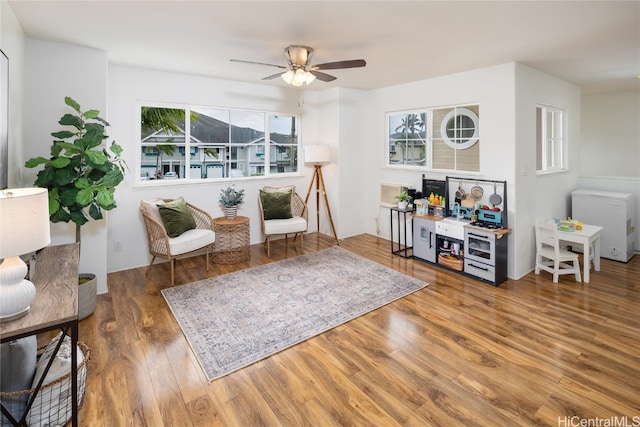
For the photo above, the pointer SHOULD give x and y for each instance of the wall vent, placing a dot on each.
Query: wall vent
(388, 193)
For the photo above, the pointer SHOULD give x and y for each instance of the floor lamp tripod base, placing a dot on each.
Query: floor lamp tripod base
(320, 188)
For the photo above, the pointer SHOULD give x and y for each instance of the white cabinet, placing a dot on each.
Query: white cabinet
(615, 213)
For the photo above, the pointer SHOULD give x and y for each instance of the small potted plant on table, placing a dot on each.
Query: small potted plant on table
(403, 200)
(230, 198)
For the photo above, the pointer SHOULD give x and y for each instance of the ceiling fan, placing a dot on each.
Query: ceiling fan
(299, 70)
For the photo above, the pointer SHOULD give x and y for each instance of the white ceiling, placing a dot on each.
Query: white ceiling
(594, 44)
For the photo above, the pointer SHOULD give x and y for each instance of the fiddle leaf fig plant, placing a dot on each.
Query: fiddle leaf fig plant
(81, 174)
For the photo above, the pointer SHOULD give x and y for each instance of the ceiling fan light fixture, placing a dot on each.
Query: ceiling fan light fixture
(299, 55)
(299, 71)
(300, 77)
(288, 76)
(310, 78)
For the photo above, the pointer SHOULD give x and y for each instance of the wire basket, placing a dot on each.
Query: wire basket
(52, 406)
(451, 261)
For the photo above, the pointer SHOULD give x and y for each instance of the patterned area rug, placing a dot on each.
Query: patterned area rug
(234, 320)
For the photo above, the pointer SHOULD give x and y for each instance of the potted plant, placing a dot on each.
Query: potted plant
(81, 176)
(230, 198)
(403, 200)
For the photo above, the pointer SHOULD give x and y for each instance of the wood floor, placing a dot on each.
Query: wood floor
(459, 352)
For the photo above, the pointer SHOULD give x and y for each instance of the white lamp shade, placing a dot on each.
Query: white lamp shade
(317, 154)
(288, 76)
(24, 221)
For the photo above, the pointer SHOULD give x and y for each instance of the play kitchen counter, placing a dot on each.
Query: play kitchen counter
(469, 239)
(458, 246)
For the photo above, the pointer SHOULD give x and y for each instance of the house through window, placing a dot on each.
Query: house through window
(210, 143)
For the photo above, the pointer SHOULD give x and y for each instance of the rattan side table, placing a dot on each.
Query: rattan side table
(232, 240)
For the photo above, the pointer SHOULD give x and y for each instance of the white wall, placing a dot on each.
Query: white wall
(610, 145)
(12, 43)
(336, 117)
(54, 71)
(611, 123)
(492, 88)
(353, 148)
(540, 196)
(507, 95)
(128, 86)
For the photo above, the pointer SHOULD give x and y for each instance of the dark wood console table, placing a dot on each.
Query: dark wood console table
(54, 307)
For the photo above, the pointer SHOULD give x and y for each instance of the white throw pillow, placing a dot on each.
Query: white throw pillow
(151, 207)
(52, 406)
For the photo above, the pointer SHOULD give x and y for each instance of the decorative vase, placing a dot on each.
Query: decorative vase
(87, 293)
(231, 213)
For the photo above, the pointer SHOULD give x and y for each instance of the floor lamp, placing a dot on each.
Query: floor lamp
(319, 155)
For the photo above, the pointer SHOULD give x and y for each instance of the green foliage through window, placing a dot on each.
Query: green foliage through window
(209, 143)
(434, 139)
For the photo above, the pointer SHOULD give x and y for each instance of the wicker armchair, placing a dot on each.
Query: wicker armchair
(297, 225)
(163, 246)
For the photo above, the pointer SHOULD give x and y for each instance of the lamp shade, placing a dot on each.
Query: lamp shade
(24, 221)
(317, 154)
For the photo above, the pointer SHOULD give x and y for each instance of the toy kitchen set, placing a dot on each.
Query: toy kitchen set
(468, 233)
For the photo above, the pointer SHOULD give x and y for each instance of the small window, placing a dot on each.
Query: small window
(549, 139)
(407, 139)
(459, 128)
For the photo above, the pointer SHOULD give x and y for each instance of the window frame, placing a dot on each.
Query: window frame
(428, 113)
(553, 144)
(190, 147)
(389, 142)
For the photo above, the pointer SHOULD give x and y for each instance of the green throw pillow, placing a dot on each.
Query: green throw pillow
(176, 217)
(276, 205)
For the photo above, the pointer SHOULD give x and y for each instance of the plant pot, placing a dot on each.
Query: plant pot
(231, 213)
(402, 204)
(87, 293)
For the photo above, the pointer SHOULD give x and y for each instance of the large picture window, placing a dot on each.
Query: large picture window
(209, 143)
(435, 139)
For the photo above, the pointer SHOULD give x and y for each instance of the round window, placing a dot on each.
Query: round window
(459, 128)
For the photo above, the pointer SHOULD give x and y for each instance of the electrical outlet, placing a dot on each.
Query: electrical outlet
(117, 246)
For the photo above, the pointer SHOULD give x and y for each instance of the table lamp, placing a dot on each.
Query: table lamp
(319, 155)
(24, 228)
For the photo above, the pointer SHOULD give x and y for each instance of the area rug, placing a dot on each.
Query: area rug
(234, 320)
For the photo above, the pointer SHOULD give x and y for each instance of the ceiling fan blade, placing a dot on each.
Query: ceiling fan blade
(354, 63)
(322, 76)
(273, 76)
(258, 63)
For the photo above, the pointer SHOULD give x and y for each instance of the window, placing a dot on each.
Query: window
(407, 139)
(459, 128)
(204, 143)
(435, 139)
(549, 139)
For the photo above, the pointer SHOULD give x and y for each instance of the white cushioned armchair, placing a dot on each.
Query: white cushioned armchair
(162, 245)
(277, 221)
